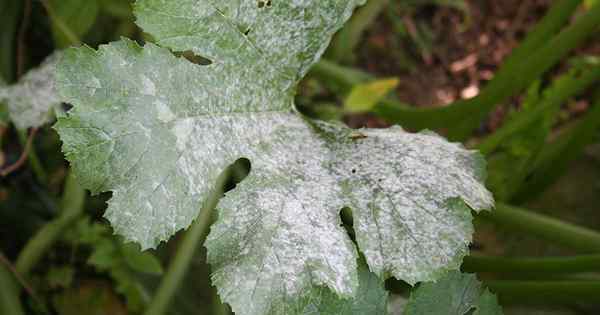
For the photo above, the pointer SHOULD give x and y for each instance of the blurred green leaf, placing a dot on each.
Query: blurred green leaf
(141, 261)
(118, 8)
(514, 149)
(455, 294)
(104, 255)
(60, 276)
(554, 159)
(71, 19)
(121, 261)
(364, 97)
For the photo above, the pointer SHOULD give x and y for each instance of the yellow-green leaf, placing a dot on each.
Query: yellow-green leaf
(363, 97)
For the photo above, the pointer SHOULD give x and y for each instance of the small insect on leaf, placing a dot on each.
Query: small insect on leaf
(355, 135)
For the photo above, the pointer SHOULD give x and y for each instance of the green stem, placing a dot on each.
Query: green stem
(544, 227)
(181, 263)
(9, 293)
(572, 264)
(346, 40)
(72, 205)
(527, 65)
(32, 157)
(538, 55)
(555, 159)
(545, 292)
(11, 12)
(565, 87)
(62, 26)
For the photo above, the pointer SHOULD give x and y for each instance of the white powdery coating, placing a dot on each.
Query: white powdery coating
(157, 131)
(31, 99)
(403, 189)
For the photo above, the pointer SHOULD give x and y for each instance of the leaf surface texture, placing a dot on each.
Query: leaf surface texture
(157, 131)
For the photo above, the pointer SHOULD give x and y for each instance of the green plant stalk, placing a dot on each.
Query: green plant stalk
(510, 79)
(556, 231)
(465, 115)
(561, 93)
(519, 73)
(32, 158)
(192, 239)
(10, 303)
(346, 40)
(339, 78)
(62, 26)
(72, 205)
(555, 159)
(545, 292)
(11, 12)
(537, 265)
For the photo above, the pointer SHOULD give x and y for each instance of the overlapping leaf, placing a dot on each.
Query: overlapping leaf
(454, 294)
(34, 96)
(157, 131)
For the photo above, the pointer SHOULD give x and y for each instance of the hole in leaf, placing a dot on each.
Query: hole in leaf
(264, 3)
(237, 172)
(353, 171)
(348, 222)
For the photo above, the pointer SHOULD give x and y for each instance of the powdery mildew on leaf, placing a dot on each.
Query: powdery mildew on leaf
(157, 131)
(33, 97)
(454, 294)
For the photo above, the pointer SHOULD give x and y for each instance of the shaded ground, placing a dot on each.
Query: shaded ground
(442, 54)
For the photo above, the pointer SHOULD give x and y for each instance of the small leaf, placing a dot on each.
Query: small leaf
(104, 255)
(364, 97)
(455, 294)
(31, 100)
(141, 261)
(371, 298)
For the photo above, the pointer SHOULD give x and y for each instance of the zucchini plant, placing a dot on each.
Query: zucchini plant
(157, 130)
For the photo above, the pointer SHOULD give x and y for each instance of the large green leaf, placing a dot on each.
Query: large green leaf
(157, 131)
(455, 294)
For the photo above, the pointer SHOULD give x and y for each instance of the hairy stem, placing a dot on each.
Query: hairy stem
(72, 205)
(544, 227)
(191, 240)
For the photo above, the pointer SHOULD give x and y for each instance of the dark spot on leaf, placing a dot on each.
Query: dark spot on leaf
(353, 171)
(238, 171)
(264, 3)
